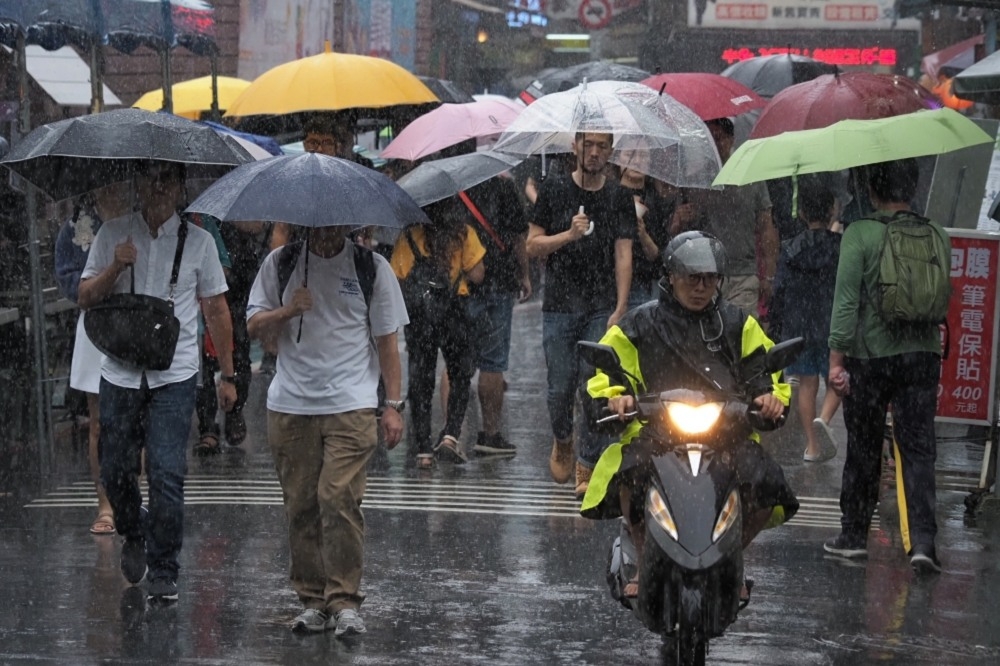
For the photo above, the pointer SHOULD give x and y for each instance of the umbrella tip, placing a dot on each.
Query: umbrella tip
(326, 47)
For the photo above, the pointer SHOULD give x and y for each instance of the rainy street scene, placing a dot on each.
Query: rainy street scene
(499, 332)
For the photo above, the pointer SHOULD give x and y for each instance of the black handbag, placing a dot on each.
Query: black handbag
(136, 329)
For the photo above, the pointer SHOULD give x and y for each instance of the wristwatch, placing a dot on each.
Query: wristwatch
(398, 405)
(229, 379)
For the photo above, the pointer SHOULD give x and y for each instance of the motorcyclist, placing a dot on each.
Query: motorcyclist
(690, 338)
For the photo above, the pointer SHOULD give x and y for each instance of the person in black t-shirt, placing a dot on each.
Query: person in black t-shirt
(584, 224)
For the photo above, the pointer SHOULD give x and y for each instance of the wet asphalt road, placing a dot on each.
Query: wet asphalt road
(483, 564)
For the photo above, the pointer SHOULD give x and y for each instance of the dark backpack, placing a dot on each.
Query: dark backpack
(914, 282)
(427, 289)
(364, 265)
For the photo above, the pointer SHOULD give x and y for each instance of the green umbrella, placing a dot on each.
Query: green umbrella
(850, 143)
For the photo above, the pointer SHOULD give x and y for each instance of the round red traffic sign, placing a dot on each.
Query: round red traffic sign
(595, 14)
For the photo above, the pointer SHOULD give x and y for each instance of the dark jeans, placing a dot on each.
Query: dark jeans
(560, 333)
(909, 383)
(422, 344)
(158, 420)
(207, 404)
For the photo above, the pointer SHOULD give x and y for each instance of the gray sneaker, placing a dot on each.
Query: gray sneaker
(310, 620)
(347, 623)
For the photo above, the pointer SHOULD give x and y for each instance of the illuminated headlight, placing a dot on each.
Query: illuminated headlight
(727, 516)
(694, 420)
(660, 512)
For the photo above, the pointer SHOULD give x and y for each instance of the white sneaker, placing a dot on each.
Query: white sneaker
(310, 620)
(347, 622)
(827, 445)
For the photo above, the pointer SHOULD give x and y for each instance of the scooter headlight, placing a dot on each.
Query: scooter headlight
(660, 512)
(727, 516)
(694, 419)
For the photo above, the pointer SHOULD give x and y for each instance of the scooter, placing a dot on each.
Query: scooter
(692, 565)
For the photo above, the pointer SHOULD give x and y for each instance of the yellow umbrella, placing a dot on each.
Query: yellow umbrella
(331, 82)
(193, 97)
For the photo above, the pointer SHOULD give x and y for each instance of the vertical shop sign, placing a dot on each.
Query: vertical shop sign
(966, 393)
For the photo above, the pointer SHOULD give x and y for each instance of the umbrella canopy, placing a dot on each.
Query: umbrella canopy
(450, 124)
(194, 97)
(558, 80)
(310, 190)
(709, 95)
(446, 91)
(440, 179)
(769, 75)
(76, 155)
(330, 82)
(653, 133)
(851, 143)
(980, 82)
(931, 63)
(833, 97)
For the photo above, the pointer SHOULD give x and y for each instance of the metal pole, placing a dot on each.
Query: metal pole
(37, 320)
(168, 39)
(96, 80)
(213, 58)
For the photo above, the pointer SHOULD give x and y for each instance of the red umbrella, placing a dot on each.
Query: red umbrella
(708, 95)
(834, 97)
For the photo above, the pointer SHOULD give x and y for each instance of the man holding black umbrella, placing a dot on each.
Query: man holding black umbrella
(151, 410)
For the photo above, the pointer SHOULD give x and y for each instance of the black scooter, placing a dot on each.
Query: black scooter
(692, 565)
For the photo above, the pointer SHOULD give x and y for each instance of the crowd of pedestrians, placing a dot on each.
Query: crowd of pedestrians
(333, 323)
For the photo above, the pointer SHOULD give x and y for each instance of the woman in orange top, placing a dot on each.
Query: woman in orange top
(435, 286)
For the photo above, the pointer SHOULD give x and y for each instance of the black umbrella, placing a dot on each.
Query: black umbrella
(439, 179)
(447, 91)
(69, 157)
(769, 75)
(558, 80)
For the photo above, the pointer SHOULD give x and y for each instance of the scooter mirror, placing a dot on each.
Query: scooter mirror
(781, 355)
(600, 356)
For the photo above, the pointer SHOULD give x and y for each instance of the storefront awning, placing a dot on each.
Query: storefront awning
(64, 76)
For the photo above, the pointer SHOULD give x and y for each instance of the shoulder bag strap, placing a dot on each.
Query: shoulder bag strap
(482, 220)
(175, 272)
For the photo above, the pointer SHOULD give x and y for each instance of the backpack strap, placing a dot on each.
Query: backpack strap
(288, 256)
(178, 254)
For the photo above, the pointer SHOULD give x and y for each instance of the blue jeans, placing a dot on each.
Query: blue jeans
(158, 420)
(490, 315)
(560, 333)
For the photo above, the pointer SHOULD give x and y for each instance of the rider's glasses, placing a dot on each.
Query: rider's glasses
(710, 280)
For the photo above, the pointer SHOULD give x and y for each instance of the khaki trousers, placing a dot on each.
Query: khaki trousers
(742, 290)
(320, 462)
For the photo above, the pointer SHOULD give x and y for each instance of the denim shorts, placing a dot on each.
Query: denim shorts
(814, 360)
(490, 315)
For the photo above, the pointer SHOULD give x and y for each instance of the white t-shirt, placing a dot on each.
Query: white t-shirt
(200, 276)
(334, 367)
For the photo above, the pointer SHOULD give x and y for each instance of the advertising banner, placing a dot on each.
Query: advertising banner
(798, 14)
(966, 393)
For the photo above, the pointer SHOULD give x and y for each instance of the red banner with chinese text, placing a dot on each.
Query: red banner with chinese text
(966, 391)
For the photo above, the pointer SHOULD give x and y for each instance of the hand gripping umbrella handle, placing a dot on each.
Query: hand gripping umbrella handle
(590, 229)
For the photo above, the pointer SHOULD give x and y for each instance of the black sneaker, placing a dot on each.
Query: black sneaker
(924, 560)
(134, 559)
(162, 589)
(846, 546)
(493, 445)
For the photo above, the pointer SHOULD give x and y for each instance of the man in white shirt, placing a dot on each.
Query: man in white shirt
(148, 409)
(321, 410)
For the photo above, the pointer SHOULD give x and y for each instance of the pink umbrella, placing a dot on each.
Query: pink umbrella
(448, 125)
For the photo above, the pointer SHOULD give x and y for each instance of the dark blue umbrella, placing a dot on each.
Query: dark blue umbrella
(310, 190)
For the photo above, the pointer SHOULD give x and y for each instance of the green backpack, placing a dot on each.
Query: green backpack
(914, 284)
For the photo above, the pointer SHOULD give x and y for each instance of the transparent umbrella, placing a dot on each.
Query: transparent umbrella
(653, 133)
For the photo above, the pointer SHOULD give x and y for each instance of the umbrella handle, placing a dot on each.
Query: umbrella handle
(305, 282)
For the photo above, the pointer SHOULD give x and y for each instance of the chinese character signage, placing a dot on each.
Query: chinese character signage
(869, 56)
(965, 393)
(799, 14)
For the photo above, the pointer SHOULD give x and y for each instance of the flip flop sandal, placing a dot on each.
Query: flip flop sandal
(745, 601)
(236, 429)
(207, 445)
(447, 451)
(634, 581)
(104, 525)
(425, 460)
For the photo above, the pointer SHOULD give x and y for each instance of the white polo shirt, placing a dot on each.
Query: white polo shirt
(200, 276)
(334, 368)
